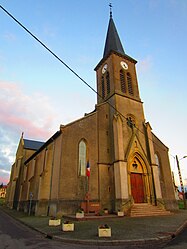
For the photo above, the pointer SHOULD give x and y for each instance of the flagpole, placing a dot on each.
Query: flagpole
(88, 184)
(88, 196)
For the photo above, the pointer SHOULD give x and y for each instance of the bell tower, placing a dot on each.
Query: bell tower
(116, 73)
(121, 129)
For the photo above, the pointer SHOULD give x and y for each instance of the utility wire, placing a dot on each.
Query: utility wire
(49, 50)
(76, 74)
(57, 57)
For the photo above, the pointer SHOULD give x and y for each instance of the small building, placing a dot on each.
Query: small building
(128, 163)
(3, 189)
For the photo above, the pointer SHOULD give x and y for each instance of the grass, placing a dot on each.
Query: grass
(88, 229)
(2, 201)
(122, 228)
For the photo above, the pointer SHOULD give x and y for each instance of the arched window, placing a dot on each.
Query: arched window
(108, 82)
(103, 87)
(82, 158)
(157, 160)
(129, 82)
(122, 81)
(158, 163)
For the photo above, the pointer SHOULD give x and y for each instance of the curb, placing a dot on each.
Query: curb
(180, 229)
(133, 242)
(156, 240)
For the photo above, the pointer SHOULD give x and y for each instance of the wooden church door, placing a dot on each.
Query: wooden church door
(137, 188)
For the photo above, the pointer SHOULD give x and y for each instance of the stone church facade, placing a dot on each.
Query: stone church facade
(128, 163)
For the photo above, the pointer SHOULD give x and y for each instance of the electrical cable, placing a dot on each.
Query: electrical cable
(57, 57)
(68, 67)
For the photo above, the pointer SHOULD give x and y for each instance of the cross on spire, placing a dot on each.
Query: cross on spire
(113, 42)
(110, 5)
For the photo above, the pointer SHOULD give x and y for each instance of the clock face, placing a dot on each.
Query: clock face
(104, 68)
(124, 65)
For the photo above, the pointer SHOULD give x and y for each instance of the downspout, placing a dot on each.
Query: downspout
(51, 179)
(60, 168)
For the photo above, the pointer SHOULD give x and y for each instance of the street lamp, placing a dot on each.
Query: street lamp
(180, 177)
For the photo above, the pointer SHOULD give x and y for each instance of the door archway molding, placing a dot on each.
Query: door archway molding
(139, 175)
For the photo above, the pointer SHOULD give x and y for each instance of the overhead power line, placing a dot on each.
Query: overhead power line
(56, 56)
(69, 68)
(49, 50)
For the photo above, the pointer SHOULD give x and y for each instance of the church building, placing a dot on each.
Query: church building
(110, 158)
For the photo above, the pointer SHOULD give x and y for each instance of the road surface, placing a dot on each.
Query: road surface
(15, 235)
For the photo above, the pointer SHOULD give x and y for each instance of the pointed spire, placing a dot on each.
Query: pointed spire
(113, 42)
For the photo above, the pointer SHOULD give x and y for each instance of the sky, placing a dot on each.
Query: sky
(38, 93)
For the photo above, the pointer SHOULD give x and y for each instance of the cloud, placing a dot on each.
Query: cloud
(32, 114)
(7, 145)
(145, 64)
(9, 37)
(4, 171)
(4, 176)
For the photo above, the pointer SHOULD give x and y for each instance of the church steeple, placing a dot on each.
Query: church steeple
(112, 42)
(116, 72)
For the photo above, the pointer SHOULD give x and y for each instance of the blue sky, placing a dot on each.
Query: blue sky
(37, 93)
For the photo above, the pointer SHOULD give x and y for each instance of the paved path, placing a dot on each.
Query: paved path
(15, 235)
(131, 233)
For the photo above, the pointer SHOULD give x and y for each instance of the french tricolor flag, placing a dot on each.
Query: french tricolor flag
(88, 169)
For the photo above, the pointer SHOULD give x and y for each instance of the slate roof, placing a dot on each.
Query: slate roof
(113, 42)
(43, 146)
(31, 144)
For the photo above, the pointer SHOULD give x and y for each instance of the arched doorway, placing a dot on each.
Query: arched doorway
(138, 181)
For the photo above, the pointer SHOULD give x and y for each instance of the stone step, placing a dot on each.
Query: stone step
(145, 209)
